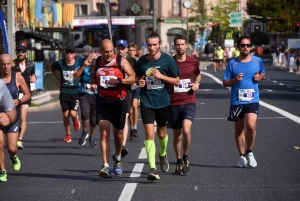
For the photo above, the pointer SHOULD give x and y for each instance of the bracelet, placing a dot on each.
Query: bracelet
(19, 102)
(197, 81)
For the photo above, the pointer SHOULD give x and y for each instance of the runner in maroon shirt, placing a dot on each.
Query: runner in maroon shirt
(183, 103)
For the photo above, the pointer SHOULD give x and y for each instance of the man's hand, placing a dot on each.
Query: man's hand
(257, 76)
(93, 87)
(113, 81)
(142, 81)
(239, 77)
(195, 86)
(157, 74)
(4, 119)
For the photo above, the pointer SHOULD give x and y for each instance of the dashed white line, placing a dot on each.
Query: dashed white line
(196, 188)
(274, 81)
(73, 191)
(143, 154)
(127, 192)
(281, 84)
(289, 87)
(137, 170)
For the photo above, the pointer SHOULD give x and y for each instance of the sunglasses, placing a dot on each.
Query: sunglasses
(20, 51)
(246, 45)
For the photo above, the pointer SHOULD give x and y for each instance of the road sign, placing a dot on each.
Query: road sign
(235, 25)
(135, 8)
(235, 18)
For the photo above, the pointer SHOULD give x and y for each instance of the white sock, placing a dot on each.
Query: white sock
(118, 157)
(106, 164)
(135, 126)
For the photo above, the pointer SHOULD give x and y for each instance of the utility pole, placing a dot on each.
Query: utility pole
(154, 15)
(11, 28)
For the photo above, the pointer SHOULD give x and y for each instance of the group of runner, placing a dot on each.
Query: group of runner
(104, 88)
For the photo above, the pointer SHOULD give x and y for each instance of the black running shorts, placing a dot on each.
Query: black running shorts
(160, 115)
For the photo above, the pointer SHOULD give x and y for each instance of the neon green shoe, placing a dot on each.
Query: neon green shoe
(20, 144)
(16, 163)
(3, 176)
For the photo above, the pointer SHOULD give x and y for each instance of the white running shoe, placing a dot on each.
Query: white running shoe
(242, 162)
(251, 160)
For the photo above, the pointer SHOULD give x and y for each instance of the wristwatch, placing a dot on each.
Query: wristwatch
(197, 81)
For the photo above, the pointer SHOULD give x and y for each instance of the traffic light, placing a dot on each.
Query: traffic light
(133, 26)
(297, 27)
(213, 27)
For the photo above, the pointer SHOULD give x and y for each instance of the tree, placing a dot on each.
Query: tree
(280, 15)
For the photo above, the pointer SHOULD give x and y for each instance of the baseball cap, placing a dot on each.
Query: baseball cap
(87, 50)
(122, 42)
(21, 47)
(70, 47)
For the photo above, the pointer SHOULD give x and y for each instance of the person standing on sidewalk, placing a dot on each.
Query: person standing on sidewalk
(14, 83)
(243, 74)
(87, 98)
(155, 72)
(108, 77)
(183, 103)
(27, 70)
(68, 84)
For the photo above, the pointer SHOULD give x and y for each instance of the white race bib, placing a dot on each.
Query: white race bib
(20, 95)
(184, 86)
(104, 81)
(68, 76)
(246, 94)
(154, 83)
(86, 88)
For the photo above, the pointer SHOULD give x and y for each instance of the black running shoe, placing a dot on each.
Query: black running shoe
(92, 143)
(124, 151)
(135, 134)
(132, 134)
(164, 163)
(83, 137)
(186, 167)
(178, 168)
(152, 176)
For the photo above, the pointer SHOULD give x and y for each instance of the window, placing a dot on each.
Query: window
(81, 10)
(176, 7)
(101, 9)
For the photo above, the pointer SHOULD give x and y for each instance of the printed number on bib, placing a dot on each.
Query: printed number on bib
(104, 81)
(246, 94)
(86, 88)
(184, 86)
(154, 83)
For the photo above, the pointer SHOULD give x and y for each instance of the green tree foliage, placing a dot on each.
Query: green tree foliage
(280, 15)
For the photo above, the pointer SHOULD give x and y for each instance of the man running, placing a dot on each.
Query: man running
(14, 83)
(155, 72)
(108, 76)
(183, 103)
(87, 98)
(69, 84)
(27, 70)
(242, 75)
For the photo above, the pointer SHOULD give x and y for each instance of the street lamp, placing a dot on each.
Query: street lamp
(187, 4)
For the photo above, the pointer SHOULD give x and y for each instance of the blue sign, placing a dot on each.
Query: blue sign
(39, 72)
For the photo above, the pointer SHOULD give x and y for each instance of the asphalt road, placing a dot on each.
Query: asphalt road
(53, 170)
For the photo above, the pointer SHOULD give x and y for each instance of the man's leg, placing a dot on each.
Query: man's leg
(2, 156)
(135, 115)
(239, 136)
(104, 127)
(12, 150)
(66, 122)
(250, 138)
(150, 144)
(125, 130)
(92, 121)
(23, 124)
(85, 114)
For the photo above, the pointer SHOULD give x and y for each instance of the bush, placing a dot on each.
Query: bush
(259, 38)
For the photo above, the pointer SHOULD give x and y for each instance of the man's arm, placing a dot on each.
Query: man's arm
(9, 116)
(93, 79)
(229, 83)
(129, 72)
(33, 77)
(196, 84)
(55, 75)
(23, 87)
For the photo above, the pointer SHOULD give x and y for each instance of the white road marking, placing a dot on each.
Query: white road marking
(269, 90)
(281, 84)
(225, 118)
(137, 170)
(271, 107)
(204, 90)
(127, 192)
(298, 89)
(143, 154)
(274, 81)
(196, 188)
(73, 191)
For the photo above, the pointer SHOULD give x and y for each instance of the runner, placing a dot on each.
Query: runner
(155, 72)
(122, 49)
(68, 84)
(242, 75)
(183, 103)
(27, 70)
(14, 83)
(87, 98)
(108, 75)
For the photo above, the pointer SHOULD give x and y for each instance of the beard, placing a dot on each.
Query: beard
(181, 53)
(244, 54)
(21, 59)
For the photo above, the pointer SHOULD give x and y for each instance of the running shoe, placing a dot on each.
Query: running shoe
(124, 151)
(178, 168)
(132, 134)
(135, 133)
(164, 163)
(152, 176)
(242, 162)
(20, 144)
(251, 160)
(186, 169)
(76, 123)
(105, 172)
(92, 143)
(117, 166)
(16, 163)
(68, 138)
(3, 176)
(83, 137)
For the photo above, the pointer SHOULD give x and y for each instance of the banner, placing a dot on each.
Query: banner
(39, 72)
(4, 38)
(69, 9)
(57, 14)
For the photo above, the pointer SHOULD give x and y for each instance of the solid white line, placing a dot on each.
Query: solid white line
(225, 118)
(143, 154)
(127, 192)
(45, 122)
(137, 170)
(271, 107)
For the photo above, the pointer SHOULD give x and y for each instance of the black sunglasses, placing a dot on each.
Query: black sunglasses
(246, 45)
(20, 51)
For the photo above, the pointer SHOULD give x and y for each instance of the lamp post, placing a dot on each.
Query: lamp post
(187, 4)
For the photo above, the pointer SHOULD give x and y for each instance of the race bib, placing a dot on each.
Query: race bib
(154, 83)
(104, 81)
(184, 86)
(68, 76)
(21, 95)
(246, 94)
(86, 88)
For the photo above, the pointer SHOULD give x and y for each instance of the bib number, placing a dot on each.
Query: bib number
(184, 86)
(86, 88)
(68, 77)
(154, 83)
(104, 81)
(246, 94)
(21, 95)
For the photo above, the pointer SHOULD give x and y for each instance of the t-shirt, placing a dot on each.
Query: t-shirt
(6, 101)
(156, 93)
(184, 95)
(246, 90)
(85, 86)
(27, 73)
(67, 82)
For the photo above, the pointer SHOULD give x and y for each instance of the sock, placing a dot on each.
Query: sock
(184, 157)
(131, 128)
(20, 139)
(163, 146)
(106, 164)
(150, 150)
(135, 127)
(248, 151)
(179, 161)
(118, 157)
